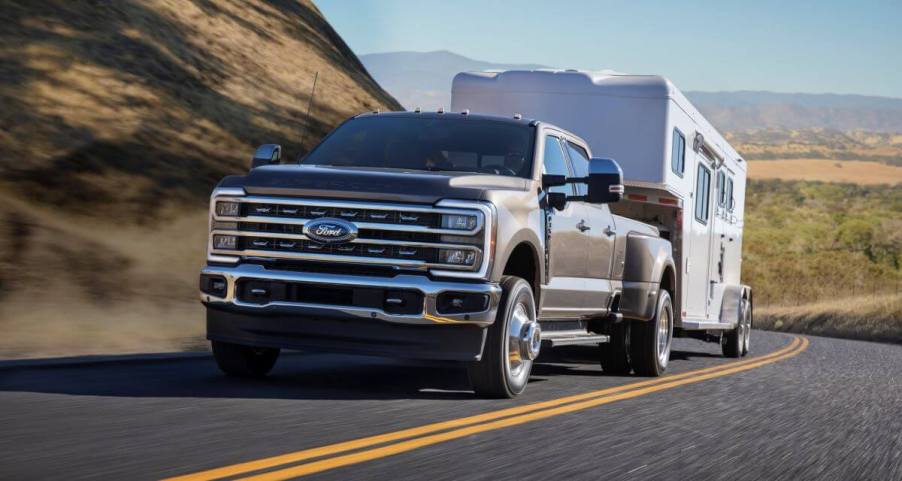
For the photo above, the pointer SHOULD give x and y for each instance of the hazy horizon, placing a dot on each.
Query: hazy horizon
(802, 47)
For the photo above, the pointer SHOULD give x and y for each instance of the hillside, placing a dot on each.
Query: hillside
(117, 120)
(818, 143)
(744, 110)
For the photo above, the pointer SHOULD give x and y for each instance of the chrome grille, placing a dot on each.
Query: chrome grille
(398, 235)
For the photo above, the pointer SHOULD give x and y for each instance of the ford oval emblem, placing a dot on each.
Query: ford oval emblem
(330, 231)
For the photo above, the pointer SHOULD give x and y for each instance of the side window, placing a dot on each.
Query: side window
(678, 153)
(730, 200)
(702, 194)
(555, 163)
(579, 159)
(721, 189)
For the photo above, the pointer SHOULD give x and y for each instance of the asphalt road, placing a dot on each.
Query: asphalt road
(832, 410)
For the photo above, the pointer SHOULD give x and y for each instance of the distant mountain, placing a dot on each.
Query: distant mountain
(424, 79)
(744, 110)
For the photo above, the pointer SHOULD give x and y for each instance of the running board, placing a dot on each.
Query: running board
(691, 325)
(571, 338)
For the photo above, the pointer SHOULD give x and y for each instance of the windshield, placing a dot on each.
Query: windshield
(440, 144)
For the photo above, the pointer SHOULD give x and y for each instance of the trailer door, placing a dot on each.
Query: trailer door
(699, 232)
(719, 241)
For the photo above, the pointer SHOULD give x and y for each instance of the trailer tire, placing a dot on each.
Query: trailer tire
(731, 341)
(503, 372)
(244, 361)
(650, 341)
(614, 355)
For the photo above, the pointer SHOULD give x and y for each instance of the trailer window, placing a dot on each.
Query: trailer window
(678, 153)
(730, 200)
(702, 194)
(579, 159)
(721, 189)
(556, 164)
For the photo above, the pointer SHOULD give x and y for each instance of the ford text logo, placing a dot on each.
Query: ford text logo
(330, 231)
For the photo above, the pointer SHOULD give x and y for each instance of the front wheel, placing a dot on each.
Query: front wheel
(512, 343)
(650, 340)
(244, 361)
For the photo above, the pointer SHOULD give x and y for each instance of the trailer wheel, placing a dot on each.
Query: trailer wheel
(650, 341)
(244, 361)
(747, 325)
(513, 342)
(615, 355)
(732, 342)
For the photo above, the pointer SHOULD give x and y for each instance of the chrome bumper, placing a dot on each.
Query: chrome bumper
(428, 287)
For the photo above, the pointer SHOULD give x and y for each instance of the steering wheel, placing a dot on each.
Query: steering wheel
(498, 170)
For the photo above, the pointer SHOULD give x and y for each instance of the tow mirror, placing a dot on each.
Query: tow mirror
(553, 180)
(605, 181)
(267, 154)
(557, 200)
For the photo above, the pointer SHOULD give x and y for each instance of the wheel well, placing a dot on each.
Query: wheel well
(523, 263)
(668, 283)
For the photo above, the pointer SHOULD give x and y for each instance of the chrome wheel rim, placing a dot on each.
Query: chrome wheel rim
(522, 346)
(664, 336)
(747, 331)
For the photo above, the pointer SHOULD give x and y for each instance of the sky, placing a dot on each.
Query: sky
(806, 46)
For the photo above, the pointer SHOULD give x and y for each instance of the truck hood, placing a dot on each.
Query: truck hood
(370, 184)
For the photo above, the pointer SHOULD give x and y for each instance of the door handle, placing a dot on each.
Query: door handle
(609, 231)
(582, 226)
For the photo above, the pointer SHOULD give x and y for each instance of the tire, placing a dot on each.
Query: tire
(746, 317)
(244, 361)
(614, 355)
(507, 357)
(650, 341)
(731, 342)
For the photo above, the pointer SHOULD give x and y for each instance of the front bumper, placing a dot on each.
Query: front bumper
(428, 334)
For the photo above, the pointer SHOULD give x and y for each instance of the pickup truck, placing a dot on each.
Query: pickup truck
(445, 236)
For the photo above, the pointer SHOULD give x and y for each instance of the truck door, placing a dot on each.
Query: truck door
(697, 262)
(563, 292)
(600, 231)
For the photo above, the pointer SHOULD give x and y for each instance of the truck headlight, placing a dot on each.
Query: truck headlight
(229, 242)
(228, 209)
(457, 257)
(458, 221)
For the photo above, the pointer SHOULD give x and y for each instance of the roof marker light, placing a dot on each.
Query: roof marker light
(465, 112)
(518, 116)
(441, 110)
(417, 110)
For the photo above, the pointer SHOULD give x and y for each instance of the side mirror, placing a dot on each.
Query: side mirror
(605, 181)
(267, 154)
(557, 200)
(553, 180)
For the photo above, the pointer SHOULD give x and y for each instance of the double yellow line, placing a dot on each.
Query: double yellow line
(388, 444)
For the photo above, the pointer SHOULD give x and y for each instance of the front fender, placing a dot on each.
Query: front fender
(647, 258)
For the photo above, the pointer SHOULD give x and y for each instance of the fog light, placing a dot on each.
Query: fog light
(458, 222)
(460, 257)
(213, 285)
(228, 209)
(229, 242)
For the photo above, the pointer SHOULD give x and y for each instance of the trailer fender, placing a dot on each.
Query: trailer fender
(730, 308)
(646, 259)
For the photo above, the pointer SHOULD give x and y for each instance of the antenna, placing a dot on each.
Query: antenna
(309, 106)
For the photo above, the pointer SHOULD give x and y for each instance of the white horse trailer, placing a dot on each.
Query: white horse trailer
(680, 173)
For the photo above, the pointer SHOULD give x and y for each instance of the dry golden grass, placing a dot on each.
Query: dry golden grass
(826, 170)
(116, 121)
(871, 317)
